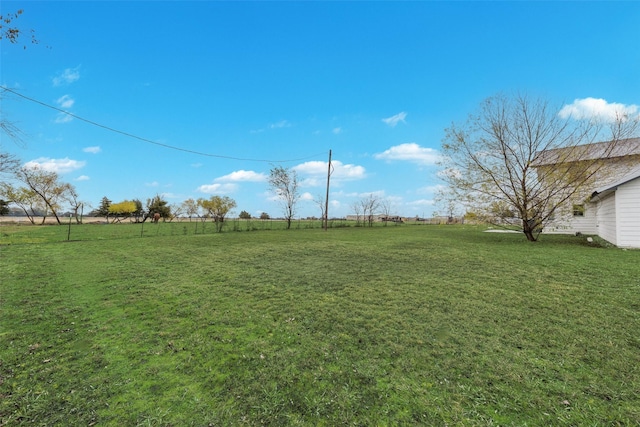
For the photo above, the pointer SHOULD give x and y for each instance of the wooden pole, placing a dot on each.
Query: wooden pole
(326, 200)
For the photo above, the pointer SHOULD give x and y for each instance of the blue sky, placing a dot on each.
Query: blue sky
(251, 84)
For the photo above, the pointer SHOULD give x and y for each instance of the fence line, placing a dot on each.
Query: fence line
(93, 229)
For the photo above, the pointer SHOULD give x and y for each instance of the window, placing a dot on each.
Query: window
(578, 210)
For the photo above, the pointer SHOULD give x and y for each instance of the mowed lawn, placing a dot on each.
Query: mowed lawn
(398, 325)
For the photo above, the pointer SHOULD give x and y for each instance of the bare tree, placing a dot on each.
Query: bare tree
(357, 210)
(75, 203)
(11, 32)
(450, 206)
(493, 156)
(26, 199)
(284, 183)
(191, 208)
(369, 206)
(320, 202)
(177, 210)
(9, 163)
(385, 207)
(47, 186)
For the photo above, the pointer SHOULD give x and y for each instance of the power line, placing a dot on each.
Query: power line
(149, 141)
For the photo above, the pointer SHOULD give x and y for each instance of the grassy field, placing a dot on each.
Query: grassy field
(12, 232)
(406, 325)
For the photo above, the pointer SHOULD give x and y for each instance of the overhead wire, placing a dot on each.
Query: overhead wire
(149, 141)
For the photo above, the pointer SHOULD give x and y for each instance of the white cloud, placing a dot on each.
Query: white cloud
(63, 118)
(315, 167)
(430, 189)
(171, 196)
(243, 175)
(60, 166)
(422, 202)
(65, 101)
(82, 178)
(315, 173)
(347, 172)
(217, 188)
(313, 182)
(151, 184)
(598, 108)
(394, 200)
(68, 76)
(337, 131)
(306, 196)
(92, 150)
(379, 194)
(394, 120)
(196, 165)
(410, 152)
(279, 125)
(356, 194)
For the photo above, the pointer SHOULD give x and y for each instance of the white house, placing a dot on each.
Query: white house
(609, 206)
(616, 209)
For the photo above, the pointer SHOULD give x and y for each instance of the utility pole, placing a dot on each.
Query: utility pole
(326, 200)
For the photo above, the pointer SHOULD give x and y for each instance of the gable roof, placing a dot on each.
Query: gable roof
(597, 150)
(610, 188)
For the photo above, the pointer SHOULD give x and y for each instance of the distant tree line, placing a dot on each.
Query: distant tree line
(42, 194)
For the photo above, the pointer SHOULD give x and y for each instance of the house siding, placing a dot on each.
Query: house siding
(628, 214)
(587, 224)
(606, 218)
(564, 222)
(611, 196)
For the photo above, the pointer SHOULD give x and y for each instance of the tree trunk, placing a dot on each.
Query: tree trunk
(53, 211)
(31, 218)
(529, 229)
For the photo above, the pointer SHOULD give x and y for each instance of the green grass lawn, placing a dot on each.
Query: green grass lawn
(435, 325)
(99, 229)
